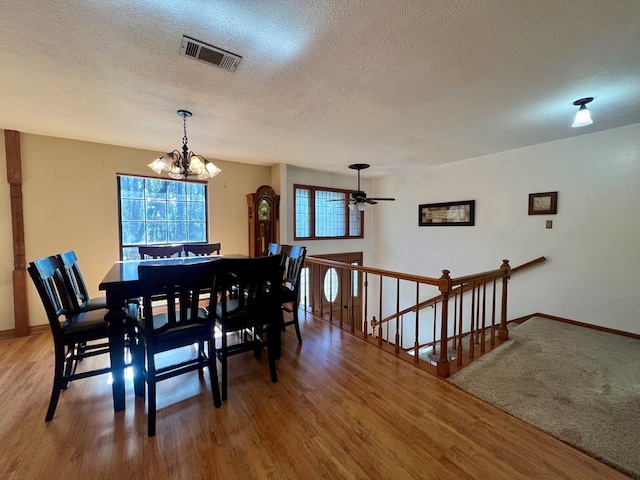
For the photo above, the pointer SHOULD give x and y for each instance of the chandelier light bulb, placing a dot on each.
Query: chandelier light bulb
(180, 166)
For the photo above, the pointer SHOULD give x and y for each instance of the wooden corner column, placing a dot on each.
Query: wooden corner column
(14, 178)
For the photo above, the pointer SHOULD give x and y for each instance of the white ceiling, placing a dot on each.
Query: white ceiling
(398, 84)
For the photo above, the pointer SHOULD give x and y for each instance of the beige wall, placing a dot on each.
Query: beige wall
(70, 202)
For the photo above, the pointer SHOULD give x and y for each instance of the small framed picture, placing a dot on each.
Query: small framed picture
(543, 203)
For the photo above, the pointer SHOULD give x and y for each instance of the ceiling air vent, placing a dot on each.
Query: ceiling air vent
(204, 52)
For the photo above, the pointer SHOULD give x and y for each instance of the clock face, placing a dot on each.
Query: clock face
(542, 203)
(264, 210)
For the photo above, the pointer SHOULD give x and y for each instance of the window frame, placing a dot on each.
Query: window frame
(119, 200)
(312, 209)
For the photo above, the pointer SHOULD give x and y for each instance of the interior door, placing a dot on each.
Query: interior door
(339, 290)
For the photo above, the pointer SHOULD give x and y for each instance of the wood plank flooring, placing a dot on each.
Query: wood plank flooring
(341, 409)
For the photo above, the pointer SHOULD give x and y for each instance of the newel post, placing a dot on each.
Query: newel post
(14, 178)
(443, 369)
(503, 333)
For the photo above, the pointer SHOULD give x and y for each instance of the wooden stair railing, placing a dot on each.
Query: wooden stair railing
(462, 288)
(470, 320)
(466, 286)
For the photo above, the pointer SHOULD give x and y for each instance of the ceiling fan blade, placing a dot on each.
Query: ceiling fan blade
(361, 197)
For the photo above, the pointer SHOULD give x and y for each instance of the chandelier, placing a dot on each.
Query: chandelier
(181, 165)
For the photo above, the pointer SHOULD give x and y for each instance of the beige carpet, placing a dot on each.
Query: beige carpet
(578, 384)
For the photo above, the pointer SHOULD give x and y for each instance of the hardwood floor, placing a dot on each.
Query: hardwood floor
(341, 409)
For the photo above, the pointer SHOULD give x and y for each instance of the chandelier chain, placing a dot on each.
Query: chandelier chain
(184, 123)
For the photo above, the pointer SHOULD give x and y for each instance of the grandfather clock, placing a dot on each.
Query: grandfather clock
(263, 219)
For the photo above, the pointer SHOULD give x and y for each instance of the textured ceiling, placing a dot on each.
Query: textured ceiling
(322, 83)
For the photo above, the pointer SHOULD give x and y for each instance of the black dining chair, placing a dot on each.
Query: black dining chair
(76, 335)
(294, 261)
(200, 249)
(274, 248)
(177, 321)
(251, 318)
(159, 251)
(75, 283)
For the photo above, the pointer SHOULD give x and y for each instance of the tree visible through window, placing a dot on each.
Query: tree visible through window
(160, 212)
(323, 213)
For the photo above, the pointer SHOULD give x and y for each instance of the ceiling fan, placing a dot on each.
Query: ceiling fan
(359, 198)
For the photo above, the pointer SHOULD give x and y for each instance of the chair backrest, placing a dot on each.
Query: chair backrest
(250, 278)
(73, 277)
(160, 251)
(179, 288)
(199, 249)
(293, 262)
(274, 248)
(47, 276)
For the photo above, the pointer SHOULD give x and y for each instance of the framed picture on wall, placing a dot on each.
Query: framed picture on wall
(447, 214)
(543, 203)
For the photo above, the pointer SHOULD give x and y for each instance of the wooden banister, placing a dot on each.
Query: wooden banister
(375, 271)
(462, 287)
(477, 276)
(456, 330)
(528, 264)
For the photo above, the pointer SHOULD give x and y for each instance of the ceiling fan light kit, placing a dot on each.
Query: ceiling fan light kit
(359, 198)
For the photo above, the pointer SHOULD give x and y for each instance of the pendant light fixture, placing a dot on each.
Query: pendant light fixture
(583, 117)
(181, 165)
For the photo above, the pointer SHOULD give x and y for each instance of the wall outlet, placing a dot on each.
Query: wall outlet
(549, 223)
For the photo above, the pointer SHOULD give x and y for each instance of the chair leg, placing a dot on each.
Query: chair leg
(151, 395)
(213, 374)
(257, 333)
(223, 364)
(82, 348)
(58, 382)
(70, 363)
(137, 349)
(201, 355)
(53, 403)
(295, 321)
(294, 313)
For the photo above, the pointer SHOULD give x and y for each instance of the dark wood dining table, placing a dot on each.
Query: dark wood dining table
(121, 284)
